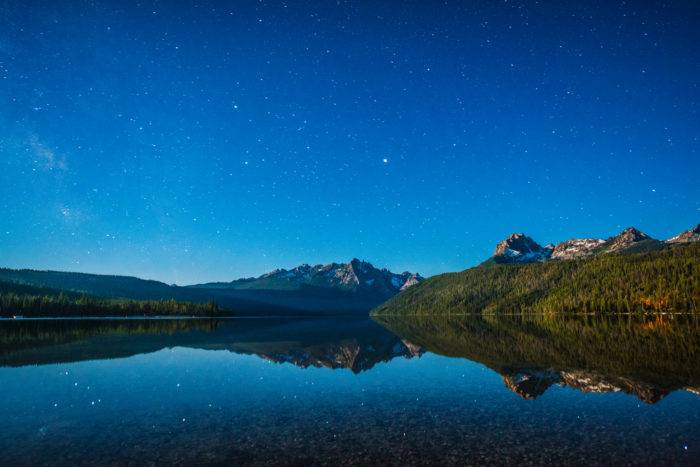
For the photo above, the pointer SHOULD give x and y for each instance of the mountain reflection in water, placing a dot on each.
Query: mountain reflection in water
(355, 344)
(648, 356)
(412, 390)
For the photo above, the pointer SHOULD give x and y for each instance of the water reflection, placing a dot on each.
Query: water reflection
(354, 344)
(350, 391)
(647, 356)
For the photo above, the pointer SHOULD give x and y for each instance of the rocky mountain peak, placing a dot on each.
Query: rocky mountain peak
(632, 234)
(519, 248)
(625, 239)
(382, 279)
(412, 279)
(360, 266)
(576, 248)
(347, 273)
(691, 235)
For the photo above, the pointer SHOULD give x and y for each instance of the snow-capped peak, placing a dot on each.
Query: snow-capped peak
(355, 275)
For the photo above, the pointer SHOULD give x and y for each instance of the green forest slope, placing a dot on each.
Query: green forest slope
(666, 280)
(31, 301)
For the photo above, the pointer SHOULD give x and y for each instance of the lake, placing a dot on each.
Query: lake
(457, 390)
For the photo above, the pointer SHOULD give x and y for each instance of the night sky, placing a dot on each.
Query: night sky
(189, 143)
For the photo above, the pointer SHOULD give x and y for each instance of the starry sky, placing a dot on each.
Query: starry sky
(197, 141)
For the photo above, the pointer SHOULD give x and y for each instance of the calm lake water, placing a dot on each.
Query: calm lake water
(351, 391)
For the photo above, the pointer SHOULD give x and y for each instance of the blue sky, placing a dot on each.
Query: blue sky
(194, 143)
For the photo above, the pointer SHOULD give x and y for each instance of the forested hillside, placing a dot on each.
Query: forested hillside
(30, 301)
(666, 280)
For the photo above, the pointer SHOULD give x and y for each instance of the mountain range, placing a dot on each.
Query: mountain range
(625, 273)
(519, 248)
(355, 276)
(354, 287)
(350, 343)
(621, 273)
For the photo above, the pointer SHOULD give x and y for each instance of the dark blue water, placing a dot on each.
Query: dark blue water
(340, 391)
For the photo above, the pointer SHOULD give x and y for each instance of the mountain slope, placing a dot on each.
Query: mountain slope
(32, 301)
(667, 280)
(91, 284)
(630, 240)
(133, 288)
(352, 288)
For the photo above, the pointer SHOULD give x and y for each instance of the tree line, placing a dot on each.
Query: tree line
(30, 301)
